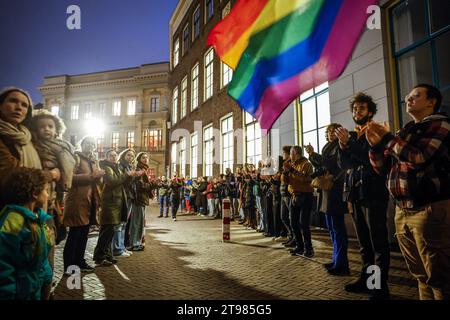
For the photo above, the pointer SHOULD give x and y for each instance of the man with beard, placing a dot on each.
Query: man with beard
(366, 193)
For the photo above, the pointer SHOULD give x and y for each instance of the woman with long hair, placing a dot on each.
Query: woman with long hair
(142, 187)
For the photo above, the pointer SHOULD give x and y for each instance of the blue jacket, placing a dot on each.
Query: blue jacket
(25, 241)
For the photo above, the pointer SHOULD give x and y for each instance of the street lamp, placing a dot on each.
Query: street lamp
(94, 127)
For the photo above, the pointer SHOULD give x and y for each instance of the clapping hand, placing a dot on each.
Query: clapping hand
(309, 149)
(342, 134)
(98, 173)
(375, 132)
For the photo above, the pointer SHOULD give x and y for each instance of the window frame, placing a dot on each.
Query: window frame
(117, 102)
(176, 52)
(194, 155)
(208, 66)
(205, 151)
(175, 105)
(75, 111)
(196, 24)
(429, 39)
(222, 144)
(184, 98)
(323, 88)
(115, 146)
(255, 124)
(195, 94)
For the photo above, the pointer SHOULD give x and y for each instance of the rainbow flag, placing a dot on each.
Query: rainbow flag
(279, 49)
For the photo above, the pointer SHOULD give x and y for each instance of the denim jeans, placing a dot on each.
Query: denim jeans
(118, 245)
(338, 234)
(285, 204)
(262, 222)
(163, 201)
(211, 207)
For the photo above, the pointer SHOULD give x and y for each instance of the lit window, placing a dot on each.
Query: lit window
(115, 140)
(74, 112)
(55, 110)
(131, 108)
(182, 157)
(315, 111)
(227, 143)
(174, 158)
(196, 23)
(227, 74)
(252, 139)
(117, 105)
(152, 139)
(101, 143)
(102, 109)
(209, 151)
(183, 98)
(88, 111)
(209, 59)
(194, 88)
(130, 139)
(176, 52)
(194, 155)
(175, 105)
(154, 104)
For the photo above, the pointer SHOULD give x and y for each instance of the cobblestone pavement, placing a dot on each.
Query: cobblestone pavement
(187, 259)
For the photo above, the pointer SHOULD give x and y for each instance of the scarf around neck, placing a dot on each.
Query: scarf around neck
(20, 137)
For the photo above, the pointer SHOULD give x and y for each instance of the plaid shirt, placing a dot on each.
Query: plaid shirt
(416, 161)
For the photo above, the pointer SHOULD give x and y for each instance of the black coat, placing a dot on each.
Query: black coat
(200, 201)
(361, 182)
(331, 201)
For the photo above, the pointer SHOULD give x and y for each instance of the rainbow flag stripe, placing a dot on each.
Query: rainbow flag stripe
(282, 48)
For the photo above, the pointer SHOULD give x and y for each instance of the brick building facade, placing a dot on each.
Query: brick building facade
(195, 70)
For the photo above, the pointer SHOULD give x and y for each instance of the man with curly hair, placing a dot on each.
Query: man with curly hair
(365, 190)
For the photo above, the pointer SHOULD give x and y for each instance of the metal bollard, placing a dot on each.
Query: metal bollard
(226, 219)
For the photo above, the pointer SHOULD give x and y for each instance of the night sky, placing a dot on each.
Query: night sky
(35, 41)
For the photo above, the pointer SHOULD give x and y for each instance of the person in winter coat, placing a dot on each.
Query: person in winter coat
(201, 196)
(163, 191)
(143, 188)
(331, 202)
(25, 238)
(81, 205)
(210, 197)
(121, 232)
(16, 148)
(175, 186)
(113, 205)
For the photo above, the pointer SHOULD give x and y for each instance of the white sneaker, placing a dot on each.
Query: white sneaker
(123, 255)
(129, 252)
(174, 219)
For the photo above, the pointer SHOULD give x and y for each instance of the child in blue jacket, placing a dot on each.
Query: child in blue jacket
(25, 238)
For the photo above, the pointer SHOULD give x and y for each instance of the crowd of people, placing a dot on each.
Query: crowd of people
(50, 193)
(48, 187)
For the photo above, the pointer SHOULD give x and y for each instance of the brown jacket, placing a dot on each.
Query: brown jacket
(83, 199)
(299, 177)
(9, 158)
